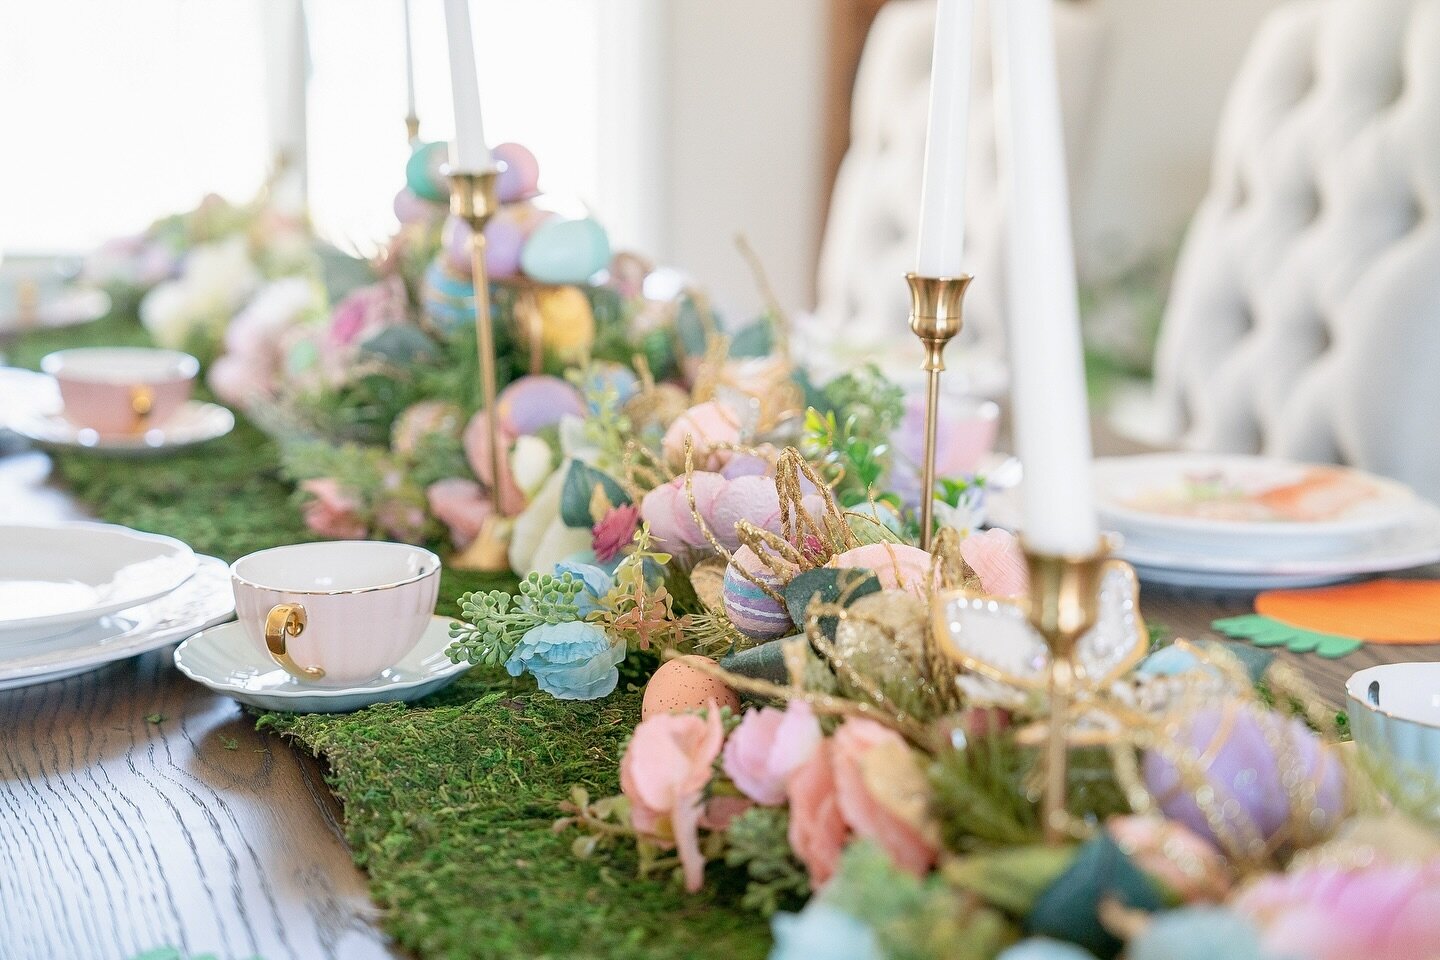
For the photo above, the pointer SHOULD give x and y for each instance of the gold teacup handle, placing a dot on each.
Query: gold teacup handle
(287, 620)
(142, 402)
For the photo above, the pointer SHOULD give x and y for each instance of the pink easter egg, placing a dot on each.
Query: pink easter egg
(898, 566)
(455, 241)
(678, 687)
(411, 208)
(749, 498)
(476, 442)
(520, 176)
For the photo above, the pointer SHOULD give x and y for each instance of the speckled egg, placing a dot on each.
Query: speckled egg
(753, 611)
(678, 687)
(532, 403)
(565, 251)
(519, 174)
(567, 322)
(422, 172)
(448, 297)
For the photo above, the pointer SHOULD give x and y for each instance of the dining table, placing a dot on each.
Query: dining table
(143, 815)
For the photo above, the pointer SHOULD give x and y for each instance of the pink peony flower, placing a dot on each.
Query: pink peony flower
(401, 521)
(461, 505)
(868, 815)
(667, 509)
(614, 531)
(998, 561)
(334, 511)
(366, 311)
(897, 565)
(818, 832)
(1327, 912)
(767, 748)
(664, 772)
(752, 498)
(709, 424)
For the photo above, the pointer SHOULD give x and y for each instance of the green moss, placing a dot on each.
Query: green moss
(449, 804)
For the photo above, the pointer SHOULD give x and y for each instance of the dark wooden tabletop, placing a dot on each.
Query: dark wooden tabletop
(120, 834)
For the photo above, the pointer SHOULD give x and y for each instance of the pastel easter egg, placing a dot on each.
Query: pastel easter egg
(705, 488)
(455, 244)
(476, 443)
(753, 611)
(1250, 785)
(422, 172)
(567, 322)
(519, 174)
(678, 687)
(410, 208)
(447, 296)
(710, 426)
(745, 498)
(532, 403)
(565, 251)
(745, 465)
(898, 566)
(504, 239)
(612, 378)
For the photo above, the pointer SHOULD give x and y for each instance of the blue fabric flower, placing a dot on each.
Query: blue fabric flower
(821, 930)
(570, 661)
(1199, 933)
(1043, 948)
(597, 583)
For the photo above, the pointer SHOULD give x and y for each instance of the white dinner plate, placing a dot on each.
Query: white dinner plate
(225, 660)
(59, 575)
(22, 391)
(202, 601)
(194, 423)
(1258, 505)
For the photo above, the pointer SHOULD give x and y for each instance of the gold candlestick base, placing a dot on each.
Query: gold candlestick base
(936, 316)
(473, 198)
(1064, 603)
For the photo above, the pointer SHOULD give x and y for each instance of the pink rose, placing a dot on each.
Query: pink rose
(818, 832)
(461, 505)
(856, 744)
(334, 511)
(368, 310)
(767, 748)
(1326, 912)
(709, 425)
(664, 772)
(240, 380)
(998, 561)
(897, 565)
(614, 531)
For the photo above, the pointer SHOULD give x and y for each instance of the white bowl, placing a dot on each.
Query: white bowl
(1395, 717)
(54, 576)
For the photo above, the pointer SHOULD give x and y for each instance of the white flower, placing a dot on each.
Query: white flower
(215, 280)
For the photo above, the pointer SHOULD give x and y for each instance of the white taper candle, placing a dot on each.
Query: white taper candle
(469, 151)
(942, 195)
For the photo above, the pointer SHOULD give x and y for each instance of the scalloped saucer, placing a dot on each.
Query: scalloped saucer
(223, 659)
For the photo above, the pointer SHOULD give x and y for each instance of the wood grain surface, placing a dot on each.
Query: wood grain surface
(138, 810)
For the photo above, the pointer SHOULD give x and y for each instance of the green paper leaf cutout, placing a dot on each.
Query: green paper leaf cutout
(579, 487)
(830, 585)
(1069, 908)
(1266, 631)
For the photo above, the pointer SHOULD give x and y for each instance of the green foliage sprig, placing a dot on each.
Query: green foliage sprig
(757, 841)
(496, 621)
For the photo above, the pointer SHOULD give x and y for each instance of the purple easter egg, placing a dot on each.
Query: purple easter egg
(410, 208)
(753, 611)
(744, 498)
(455, 241)
(532, 403)
(745, 465)
(1245, 774)
(520, 175)
(504, 239)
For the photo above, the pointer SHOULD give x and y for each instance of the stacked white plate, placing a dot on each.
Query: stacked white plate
(76, 596)
(1257, 523)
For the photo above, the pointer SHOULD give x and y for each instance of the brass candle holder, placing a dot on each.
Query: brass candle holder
(936, 316)
(474, 199)
(1064, 603)
(412, 128)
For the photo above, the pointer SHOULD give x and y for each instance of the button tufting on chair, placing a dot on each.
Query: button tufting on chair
(1304, 318)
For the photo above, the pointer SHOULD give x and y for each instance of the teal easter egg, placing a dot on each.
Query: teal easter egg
(753, 611)
(448, 297)
(565, 251)
(422, 172)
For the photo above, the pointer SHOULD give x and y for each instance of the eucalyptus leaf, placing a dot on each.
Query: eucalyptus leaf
(579, 488)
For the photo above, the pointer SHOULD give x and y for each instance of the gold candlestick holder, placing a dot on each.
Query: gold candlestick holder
(1064, 603)
(473, 198)
(412, 128)
(936, 316)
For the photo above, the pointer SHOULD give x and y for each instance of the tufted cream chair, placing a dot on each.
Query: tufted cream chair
(873, 226)
(1304, 319)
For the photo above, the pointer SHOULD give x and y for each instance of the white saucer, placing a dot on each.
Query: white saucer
(60, 308)
(194, 423)
(223, 659)
(58, 576)
(202, 601)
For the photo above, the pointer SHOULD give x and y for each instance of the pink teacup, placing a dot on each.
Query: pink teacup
(338, 613)
(121, 390)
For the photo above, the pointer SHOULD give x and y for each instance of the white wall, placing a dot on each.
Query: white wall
(743, 122)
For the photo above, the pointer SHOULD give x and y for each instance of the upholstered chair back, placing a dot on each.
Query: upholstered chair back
(873, 223)
(1304, 317)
